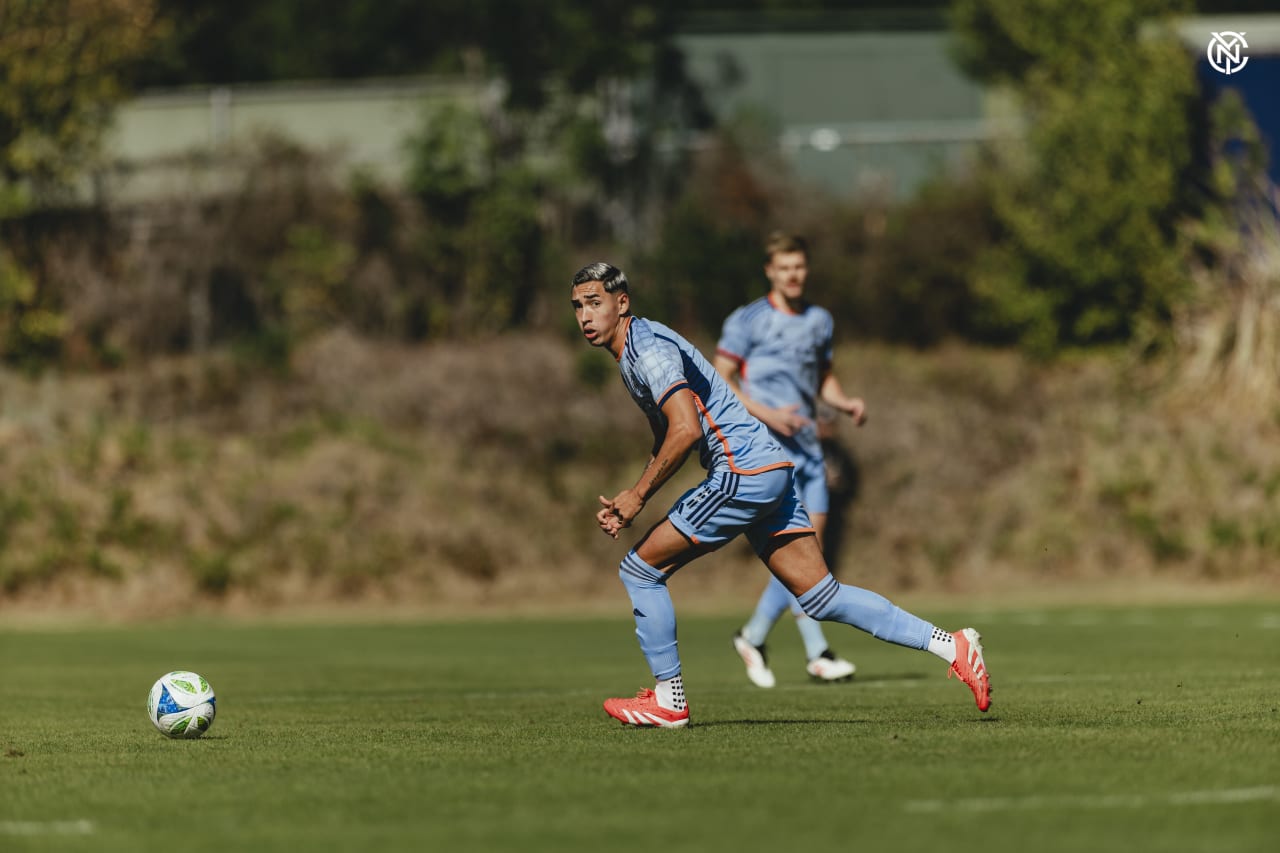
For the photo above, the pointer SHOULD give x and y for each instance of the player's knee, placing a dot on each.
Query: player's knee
(820, 610)
(635, 573)
(832, 601)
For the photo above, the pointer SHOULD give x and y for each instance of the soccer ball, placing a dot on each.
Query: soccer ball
(181, 705)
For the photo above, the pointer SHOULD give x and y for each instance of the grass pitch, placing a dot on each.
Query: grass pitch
(1151, 728)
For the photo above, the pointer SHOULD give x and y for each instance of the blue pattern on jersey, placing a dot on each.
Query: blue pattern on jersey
(656, 362)
(783, 358)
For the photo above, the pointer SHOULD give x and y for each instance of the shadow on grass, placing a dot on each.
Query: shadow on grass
(887, 676)
(703, 724)
(814, 721)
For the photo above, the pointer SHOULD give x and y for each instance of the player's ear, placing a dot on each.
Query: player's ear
(624, 303)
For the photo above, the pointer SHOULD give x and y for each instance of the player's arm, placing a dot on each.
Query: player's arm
(784, 421)
(659, 431)
(831, 393)
(683, 431)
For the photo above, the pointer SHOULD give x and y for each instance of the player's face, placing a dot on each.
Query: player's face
(600, 314)
(787, 272)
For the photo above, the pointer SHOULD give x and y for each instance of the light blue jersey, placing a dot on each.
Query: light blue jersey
(750, 490)
(656, 362)
(782, 356)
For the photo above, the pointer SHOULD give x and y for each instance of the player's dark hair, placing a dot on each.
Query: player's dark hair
(780, 243)
(613, 279)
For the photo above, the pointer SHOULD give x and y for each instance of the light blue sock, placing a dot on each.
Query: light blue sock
(655, 615)
(833, 601)
(773, 602)
(815, 641)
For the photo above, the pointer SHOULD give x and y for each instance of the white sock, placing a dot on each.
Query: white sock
(943, 644)
(671, 693)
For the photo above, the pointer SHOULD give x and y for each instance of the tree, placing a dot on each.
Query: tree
(63, 64)
(62, 67)
(1091, 199)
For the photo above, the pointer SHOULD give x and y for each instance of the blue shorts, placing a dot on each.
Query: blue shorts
(811, 483)
(761, 505)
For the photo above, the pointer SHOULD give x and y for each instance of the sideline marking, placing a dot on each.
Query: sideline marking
(47, 827)
(1105, 801)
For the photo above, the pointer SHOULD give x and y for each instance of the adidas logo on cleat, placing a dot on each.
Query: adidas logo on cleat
(971, 668)
(645, 712)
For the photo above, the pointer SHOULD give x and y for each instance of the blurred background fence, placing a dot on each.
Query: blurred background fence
(868, 103)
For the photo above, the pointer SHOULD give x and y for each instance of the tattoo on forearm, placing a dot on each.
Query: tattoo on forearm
(658, 474)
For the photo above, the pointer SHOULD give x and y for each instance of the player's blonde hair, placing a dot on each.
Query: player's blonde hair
(783, 242)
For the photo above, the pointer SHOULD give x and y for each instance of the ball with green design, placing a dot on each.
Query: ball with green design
(181, 705)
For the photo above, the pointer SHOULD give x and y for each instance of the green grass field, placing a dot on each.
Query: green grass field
(1122, 729)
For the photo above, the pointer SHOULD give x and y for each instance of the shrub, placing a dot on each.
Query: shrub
(31, 330)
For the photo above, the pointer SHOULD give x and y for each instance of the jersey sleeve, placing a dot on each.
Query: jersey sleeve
(662, 369)
(735, 338)
(826, 351)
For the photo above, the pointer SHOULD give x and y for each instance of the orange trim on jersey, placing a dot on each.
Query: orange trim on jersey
(736, 359)
(671, 389)
(732, 356)
(724, 442)
(784, 307)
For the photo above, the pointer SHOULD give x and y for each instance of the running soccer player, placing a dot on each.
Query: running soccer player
(776, 353)
(749, 490)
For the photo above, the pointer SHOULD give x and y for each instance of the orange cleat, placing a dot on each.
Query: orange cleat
(644, 711)
(970, 667)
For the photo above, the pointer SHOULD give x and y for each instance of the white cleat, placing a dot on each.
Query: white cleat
(753, 656)
(830, 667)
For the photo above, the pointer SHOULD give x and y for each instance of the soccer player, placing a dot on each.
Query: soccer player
(776, 353)
(749, 490)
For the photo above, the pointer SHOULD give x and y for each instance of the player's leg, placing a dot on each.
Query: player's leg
(798, 562)
(793, 556)
(749, 640)
(703, 519)
(776, 599)
(821, 662)
(645, 572)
